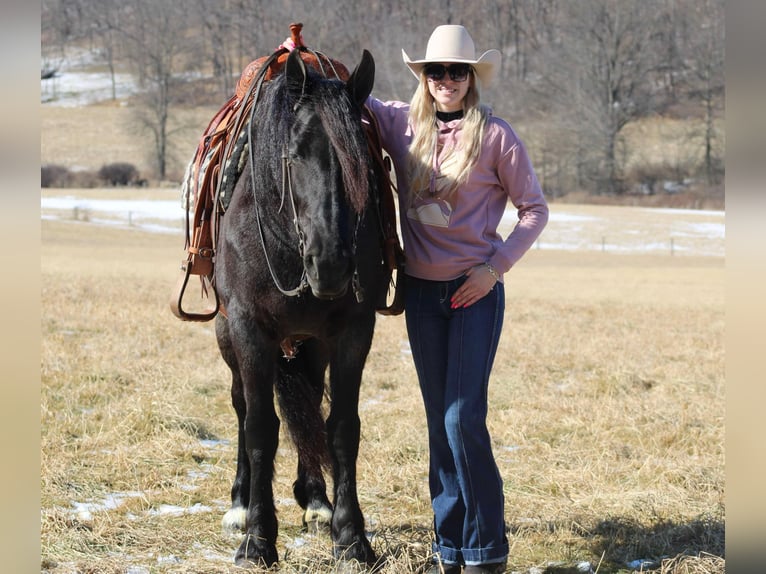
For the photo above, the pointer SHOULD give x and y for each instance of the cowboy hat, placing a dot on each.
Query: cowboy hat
(452, 43)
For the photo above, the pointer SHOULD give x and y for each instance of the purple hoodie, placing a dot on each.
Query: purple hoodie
(443, 239)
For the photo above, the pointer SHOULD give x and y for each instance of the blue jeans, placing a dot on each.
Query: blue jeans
(453, 351)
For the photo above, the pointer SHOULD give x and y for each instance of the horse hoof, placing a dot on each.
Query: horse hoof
(317, 519)
(357, 555)
(356, 567)
(350, 567)
(248, 563)
(256, 552)
(235, 519)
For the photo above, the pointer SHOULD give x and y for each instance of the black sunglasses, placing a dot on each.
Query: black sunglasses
(457, 72)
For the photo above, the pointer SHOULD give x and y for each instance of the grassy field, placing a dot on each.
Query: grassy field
(607, 414)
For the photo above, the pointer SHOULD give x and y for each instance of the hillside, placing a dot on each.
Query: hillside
(85, 138)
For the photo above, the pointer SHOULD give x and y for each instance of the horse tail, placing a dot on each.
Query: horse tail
(299, 393)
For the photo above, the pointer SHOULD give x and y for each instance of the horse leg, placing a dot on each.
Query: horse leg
(300, 384)
(261, 440)
(310, 492)
(234, 519)
(343, 427)
(259, 432)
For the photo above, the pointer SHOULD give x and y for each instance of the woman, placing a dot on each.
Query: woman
(457, 166)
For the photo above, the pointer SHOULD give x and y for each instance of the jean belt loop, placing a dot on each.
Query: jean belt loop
(443, 291)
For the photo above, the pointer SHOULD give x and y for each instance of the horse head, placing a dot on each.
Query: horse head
(327, 170)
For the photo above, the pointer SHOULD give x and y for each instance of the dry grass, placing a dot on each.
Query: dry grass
(607, 406)
(668, 141)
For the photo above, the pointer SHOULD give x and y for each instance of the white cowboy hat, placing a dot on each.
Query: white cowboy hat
(452, 43)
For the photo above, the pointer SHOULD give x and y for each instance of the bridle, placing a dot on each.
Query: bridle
(287, 182)
(287, 190)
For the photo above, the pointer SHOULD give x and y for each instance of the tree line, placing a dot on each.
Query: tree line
(577, 73)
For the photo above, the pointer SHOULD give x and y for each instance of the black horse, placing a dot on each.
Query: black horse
(299, 271)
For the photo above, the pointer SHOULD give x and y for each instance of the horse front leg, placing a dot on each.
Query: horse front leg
(261, 433)
(258, 440)
(261, 430)
(349, 539)
(344, 429)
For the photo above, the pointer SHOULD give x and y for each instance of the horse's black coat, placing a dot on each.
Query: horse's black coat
(335, 189)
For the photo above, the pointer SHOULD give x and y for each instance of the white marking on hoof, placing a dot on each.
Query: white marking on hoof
(319, 514)
(234, 520)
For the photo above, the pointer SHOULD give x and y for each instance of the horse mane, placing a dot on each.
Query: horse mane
(341, 121)
(343, 124)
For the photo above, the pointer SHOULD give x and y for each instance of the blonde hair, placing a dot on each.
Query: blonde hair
(425, 136)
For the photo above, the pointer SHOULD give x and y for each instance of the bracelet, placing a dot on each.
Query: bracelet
(492, 271)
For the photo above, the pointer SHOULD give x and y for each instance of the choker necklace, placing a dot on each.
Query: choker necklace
(449, 116)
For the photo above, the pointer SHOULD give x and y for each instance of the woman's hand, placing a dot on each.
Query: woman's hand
(479, 282)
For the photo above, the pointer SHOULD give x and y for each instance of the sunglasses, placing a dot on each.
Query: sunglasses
(457, 72)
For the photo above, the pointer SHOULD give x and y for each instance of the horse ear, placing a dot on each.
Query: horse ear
(295, 74)
(360, 82)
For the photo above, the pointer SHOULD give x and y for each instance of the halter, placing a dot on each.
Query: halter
(287, 189)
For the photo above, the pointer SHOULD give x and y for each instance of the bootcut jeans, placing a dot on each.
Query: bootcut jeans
(453, 351)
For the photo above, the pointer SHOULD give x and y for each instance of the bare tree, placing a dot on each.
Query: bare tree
(159, 39)
(600, 79)
(62, 24)
(706, 78)
(579, 72)
(103, 17)
(217, 20)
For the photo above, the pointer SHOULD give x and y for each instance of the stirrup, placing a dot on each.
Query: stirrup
(176, 300)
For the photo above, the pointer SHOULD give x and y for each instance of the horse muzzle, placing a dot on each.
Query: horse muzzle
(328, 278)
